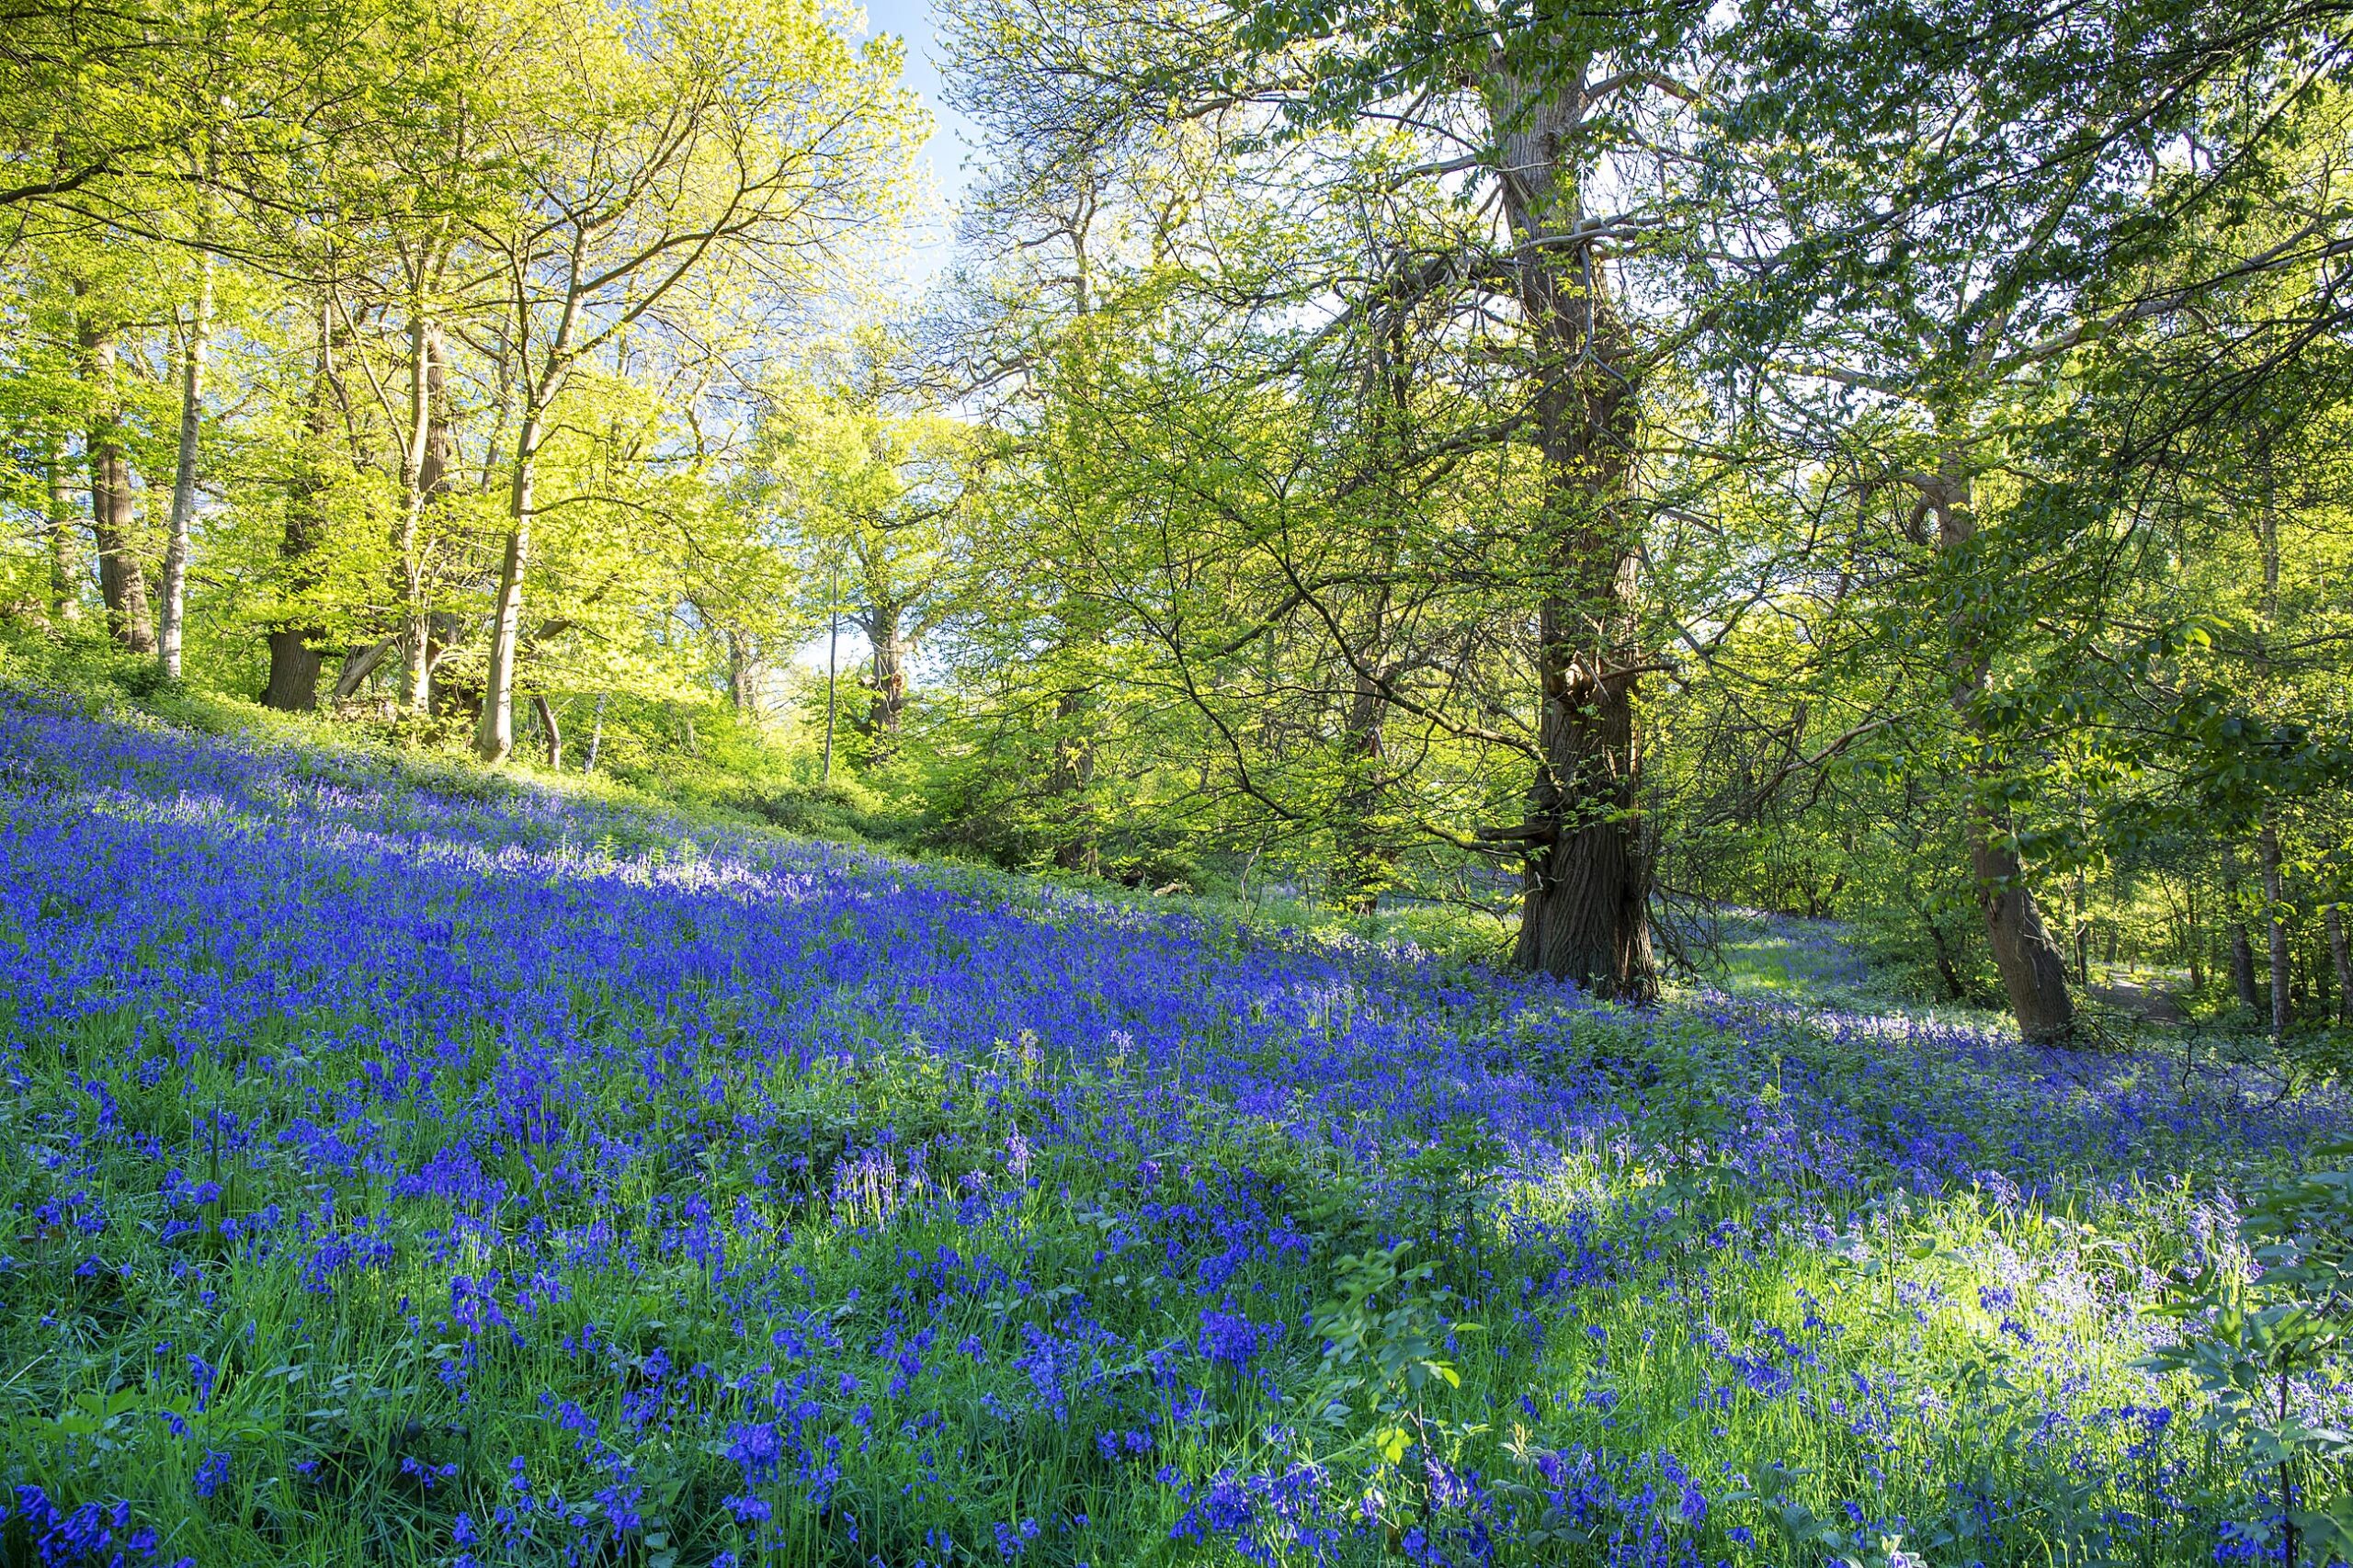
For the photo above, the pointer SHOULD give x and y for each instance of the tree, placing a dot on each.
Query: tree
(657, 152)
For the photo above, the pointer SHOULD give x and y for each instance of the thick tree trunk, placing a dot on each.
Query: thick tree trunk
(2032, 966)
(199, 337)
(2341, 952)
(2034, 970)
(1585, 907)
(1584, 914)
(885, 634)
(123, 583)
(2275, 899)
(294, 662)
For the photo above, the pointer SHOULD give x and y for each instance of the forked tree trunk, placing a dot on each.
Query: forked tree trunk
(550, 731)
(2032, 966)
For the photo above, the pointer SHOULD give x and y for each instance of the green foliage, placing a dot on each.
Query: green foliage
(2251, 1342)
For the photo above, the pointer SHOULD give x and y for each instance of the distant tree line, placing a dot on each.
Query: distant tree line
(1863, 459)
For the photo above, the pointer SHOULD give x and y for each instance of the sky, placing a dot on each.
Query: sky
(952, 138)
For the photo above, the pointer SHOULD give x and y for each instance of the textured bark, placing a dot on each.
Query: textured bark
(2032, 966)
(1584, 914)
(2034, 970)
(294, 660)
(65, 562)
(885, 626)
(122, 583)
(1584, 904)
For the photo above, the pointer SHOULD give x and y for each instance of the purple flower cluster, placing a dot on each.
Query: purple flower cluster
(570, 1179)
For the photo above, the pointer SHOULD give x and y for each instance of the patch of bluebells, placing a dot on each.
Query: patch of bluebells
(591, 1112)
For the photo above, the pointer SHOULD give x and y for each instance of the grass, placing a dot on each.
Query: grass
(411, 1169)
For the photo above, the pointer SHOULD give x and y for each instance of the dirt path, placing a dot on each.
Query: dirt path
(2145, 999)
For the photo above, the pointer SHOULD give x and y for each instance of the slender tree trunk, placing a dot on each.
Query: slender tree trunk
(550, 729)
(1362, 859)
(595, 736)
(2342, 954)
(1365, 854)
(2275, 899)
(2241, 951)
(495, 737)
(64, 567)
(2267, 837)
(833, 666)
(2083, 937)
(426, 474)
(2196, 935)
(122, 583)
(199, 339)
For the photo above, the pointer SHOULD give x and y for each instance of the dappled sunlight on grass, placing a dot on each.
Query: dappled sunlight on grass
(517, 1178)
